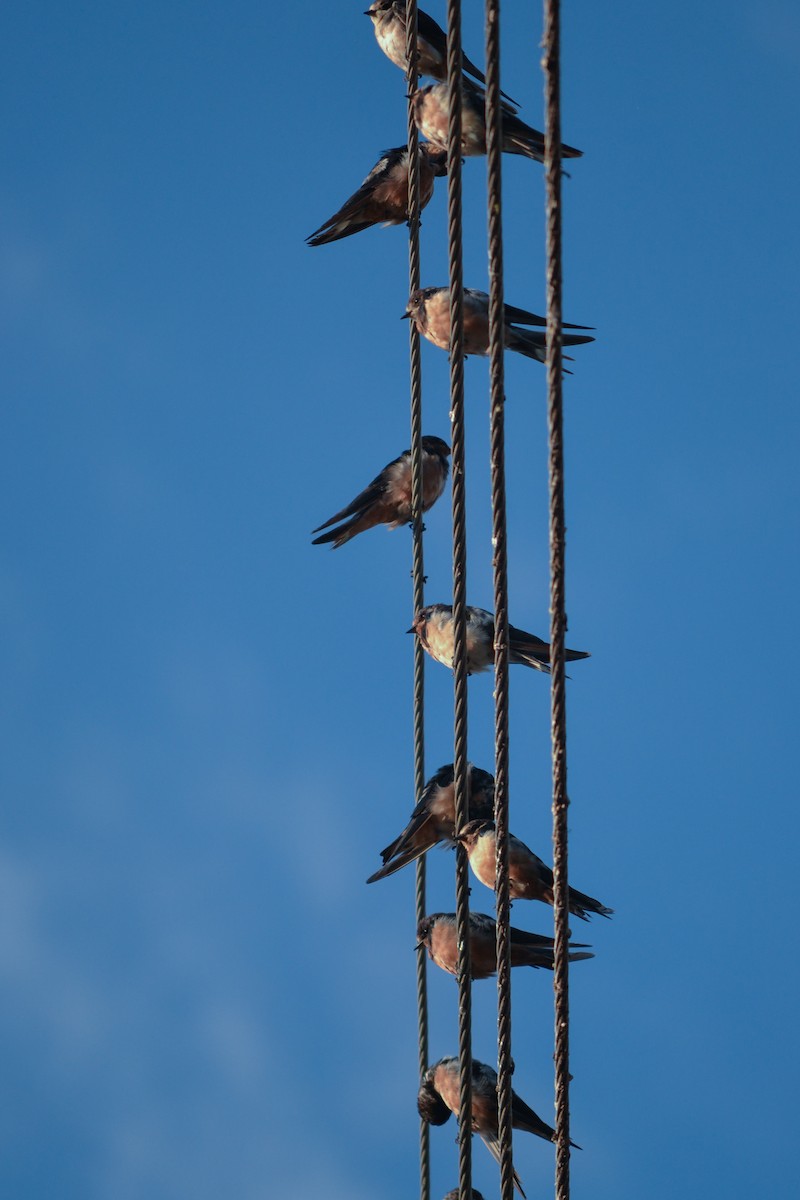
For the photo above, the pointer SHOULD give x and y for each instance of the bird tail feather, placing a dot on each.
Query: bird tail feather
(492, 1143)
(338, 536)
(332, 233)
(397, 856)
(582, 905)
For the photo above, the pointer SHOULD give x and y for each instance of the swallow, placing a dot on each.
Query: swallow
(429, 309)
(389, 23)
(431, 108)
(383, 196)
(387, 500)
(437, 933)
(434, 628)
(439, 1094)
(528, 877)
(433, 821)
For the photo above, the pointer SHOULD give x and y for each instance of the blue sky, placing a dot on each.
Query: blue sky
(206, 721)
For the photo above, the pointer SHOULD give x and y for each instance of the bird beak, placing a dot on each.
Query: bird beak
(405, 315)
(420, 946)
(411, 630)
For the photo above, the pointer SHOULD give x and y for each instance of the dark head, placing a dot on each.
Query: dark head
(419, 622)
(415, 309)
(435, 445)
(443, 777)
(455, 1194)
(481, 793)
(426, 926)
(437, 158)
(472, 831)
(418, 99)
(430, 1105)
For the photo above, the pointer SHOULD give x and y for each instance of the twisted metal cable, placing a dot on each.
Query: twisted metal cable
(500, 572)
(460, 757)
(418, 570)
(558, 712)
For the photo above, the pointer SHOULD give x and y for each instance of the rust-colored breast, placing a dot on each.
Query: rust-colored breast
(444, 951)
(391, 37)
(446, 1084)
(482, 859)
(431, 115)
(440, 639)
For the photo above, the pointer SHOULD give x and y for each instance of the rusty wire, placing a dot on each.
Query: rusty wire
(460, 756)
(558, 712)
(505, 1064)
(418, 571)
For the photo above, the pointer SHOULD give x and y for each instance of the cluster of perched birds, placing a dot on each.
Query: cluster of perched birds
(383, 199)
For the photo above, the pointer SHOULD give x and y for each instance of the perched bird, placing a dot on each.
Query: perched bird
(383, 196)
(454, 1195)
(431, 109)
(528, 877)
(433, 821)
(387, 500)
(434, 628)
(437, 933)
(389, 22)
(439, 1094)
(429, 308)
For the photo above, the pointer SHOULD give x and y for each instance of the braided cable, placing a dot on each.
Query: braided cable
(418, 570)
(500, 572)
(558, 712)
(460, 757)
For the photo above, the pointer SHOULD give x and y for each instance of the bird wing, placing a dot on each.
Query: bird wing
(371, 494)
(521, 316)
(529, 641)
(508, 104)
(573, 655)
(400, 854)
(521, 937)
(523, 1117)
(431, 32)
(357, 204)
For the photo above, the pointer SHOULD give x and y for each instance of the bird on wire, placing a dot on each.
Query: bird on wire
(439, 1096)
(387, 500)
(433, 821)
(429, 309)
(389, 24)
(528, 877)
(433, 626)
(430, 106)
(437, 933)
(383, 196)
